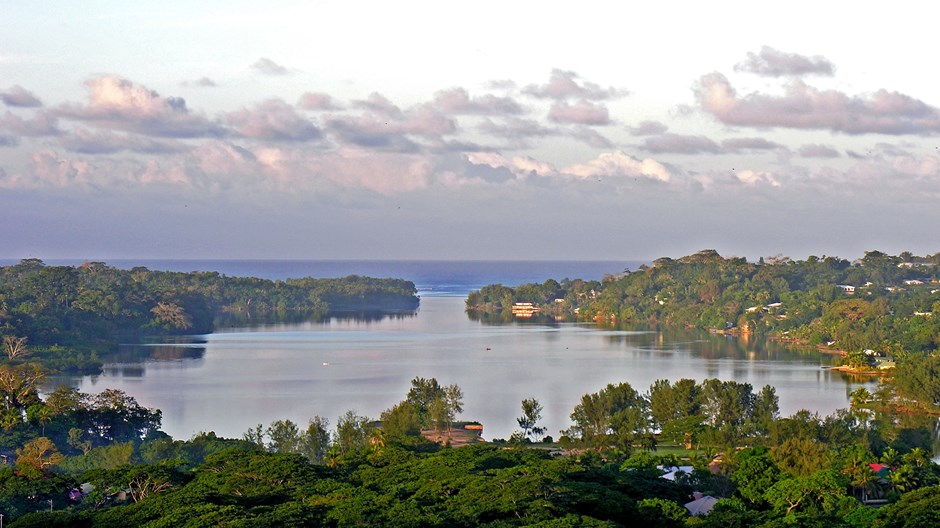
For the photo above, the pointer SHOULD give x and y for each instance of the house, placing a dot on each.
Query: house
(671, 472)
(525, 309)
(702, 505)
(847, 289)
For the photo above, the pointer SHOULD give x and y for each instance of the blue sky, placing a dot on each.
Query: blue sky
(485, 131)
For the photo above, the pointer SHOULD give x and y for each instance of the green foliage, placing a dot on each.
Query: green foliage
(67, 314)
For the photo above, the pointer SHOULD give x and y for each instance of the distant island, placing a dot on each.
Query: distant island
(66, 317)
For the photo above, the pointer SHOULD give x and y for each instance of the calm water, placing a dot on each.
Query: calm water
(244, 376)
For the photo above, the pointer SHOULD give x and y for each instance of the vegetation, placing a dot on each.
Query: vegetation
(115, 468)
(74, 459)
(64, 317)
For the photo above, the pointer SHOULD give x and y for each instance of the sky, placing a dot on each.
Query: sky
(483, 130)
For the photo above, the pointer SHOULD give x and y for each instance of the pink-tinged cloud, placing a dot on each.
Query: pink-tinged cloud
(120, 103)
(20, 97)
(520, 166)
(273, 120)
(568, 85)
(619, 165)
(775, 63)
(267, 66)
(40, 124)
(380, 105)
(818, 151)
(751, 177)
(85, 141)
(458, 102)
(681, 144)
(751, 143)
(386, 127)
(317, 101)
(581, 113)
(923, 166)
(805, 107)
(384, 173)
(47, 168)
(648, 128)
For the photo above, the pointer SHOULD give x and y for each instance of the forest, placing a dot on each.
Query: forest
(66, 317)
(102, 461)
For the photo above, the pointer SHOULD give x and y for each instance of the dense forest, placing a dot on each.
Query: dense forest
(102, 461)
(65, 316)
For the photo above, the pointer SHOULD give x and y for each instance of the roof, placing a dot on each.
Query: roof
(701, 506)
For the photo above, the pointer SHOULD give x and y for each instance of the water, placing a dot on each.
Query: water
(239, 377)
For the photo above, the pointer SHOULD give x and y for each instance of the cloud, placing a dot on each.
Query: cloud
(775, 63)
(385, 126)
(317, 101)
(20, 97)
(516, 128)
(757, 177)
(752, 143)
(681, 144)
(202, 82)
(583, 113)
(591, 137)
(458, 101)
(273, 120)
(267, 66)
(41, 124)
(8, 141)
(521, 166)
(805, 107)
(818, 151)
(620, 165)
(120, 103)
(568, 85)
(648, 128)
(85, 141)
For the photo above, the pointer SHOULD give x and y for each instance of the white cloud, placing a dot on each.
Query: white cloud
(620, 165)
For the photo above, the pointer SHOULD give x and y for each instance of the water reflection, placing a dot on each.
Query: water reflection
(245, 321)
(240, 376)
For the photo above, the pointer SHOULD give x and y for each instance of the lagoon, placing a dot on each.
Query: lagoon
(238, 377)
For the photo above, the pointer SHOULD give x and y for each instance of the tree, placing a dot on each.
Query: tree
(37, 457)
(422, 394)
(531, 414)
(171, 316)
(453, 397)
(817, 493)
(15, 347)
(117, 417)
(283, 437)
(401, 420)
(19, 385)
(352, 432)
(617, 415)
(315, 441)
(755, 474)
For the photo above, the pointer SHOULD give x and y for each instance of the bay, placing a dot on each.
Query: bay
(235, 378)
